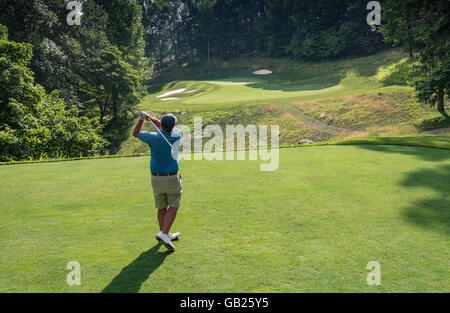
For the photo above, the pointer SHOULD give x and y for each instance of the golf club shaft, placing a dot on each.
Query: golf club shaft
(148, 119)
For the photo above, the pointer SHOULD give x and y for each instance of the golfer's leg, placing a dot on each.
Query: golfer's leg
(169, 218)
(173, 199)
(161, 204)
(161, 217)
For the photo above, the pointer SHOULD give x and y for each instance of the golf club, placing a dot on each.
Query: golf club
(148, 119)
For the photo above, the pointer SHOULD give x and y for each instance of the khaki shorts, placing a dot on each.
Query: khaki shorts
(167, 191)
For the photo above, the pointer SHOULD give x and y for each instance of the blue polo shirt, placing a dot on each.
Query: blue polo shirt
(161, 161)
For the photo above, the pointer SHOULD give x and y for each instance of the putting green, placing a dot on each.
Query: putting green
(243, 92)
(220, 93)
(312, 225)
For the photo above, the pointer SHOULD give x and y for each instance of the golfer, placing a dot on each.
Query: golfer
(164, 167)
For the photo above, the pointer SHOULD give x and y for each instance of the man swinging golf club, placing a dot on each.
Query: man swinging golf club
(164, 167)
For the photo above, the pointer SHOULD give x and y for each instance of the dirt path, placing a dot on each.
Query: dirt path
(437, 131)
(310, 121)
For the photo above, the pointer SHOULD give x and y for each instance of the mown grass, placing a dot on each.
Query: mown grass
(312, 225)
(441, 141)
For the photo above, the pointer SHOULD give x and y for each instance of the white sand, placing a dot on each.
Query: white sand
(171, 93)
(262, 72)
(168, 99)
(191, 91)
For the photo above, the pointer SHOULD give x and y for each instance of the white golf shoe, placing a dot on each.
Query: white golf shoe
(174, 236)
(165, 240)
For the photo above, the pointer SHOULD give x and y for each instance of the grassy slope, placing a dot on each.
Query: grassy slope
(316, 101)
(231, 83)
(441, 140)
(313, 225)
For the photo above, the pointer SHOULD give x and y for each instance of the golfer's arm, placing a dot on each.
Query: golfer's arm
(137, 128)
(156, 122)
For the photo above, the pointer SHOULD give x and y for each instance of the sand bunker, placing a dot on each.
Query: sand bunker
(171, 93)
(190, 91)
(262, 72)
(168, 99)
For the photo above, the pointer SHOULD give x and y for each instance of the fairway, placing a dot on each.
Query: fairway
(312, 225)
(228, 84)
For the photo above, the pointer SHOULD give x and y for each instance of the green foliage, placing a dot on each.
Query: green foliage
(47, 129)
(3, 32)
(432, 81)
(117, 94)
(98, 66)
(397, 26)
(36, 124)
(424, 26)
(337, 33)
(312, 30)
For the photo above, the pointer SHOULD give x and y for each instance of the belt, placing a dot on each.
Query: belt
(171, 174)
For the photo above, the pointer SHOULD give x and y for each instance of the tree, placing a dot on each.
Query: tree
(398, 30)
(36, 124)
(126, 31)
(309, 29)
(116, 93)
(429, 27)
(69, 58)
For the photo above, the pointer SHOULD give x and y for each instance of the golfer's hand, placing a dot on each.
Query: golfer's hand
(144, 116)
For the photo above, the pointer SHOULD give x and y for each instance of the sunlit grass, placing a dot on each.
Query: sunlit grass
(312, 225)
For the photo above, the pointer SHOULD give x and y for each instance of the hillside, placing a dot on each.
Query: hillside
(324, 101)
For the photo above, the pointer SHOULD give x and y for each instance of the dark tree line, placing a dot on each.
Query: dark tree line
(308, 29)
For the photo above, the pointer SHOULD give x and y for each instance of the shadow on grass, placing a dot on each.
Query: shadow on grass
(424, 153)
(137, 272)
(294, 88)
(433, 213)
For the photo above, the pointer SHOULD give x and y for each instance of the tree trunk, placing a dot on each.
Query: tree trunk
(102, 115)
(410, 40)
(208, 50)
(440, 105)
(103, 110)
(175, 46)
